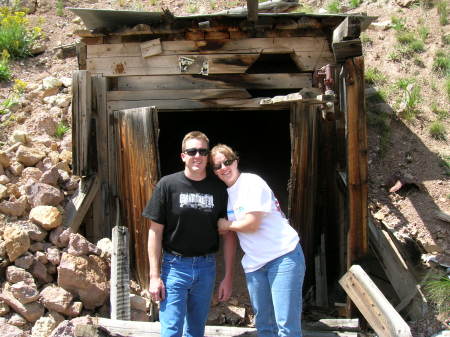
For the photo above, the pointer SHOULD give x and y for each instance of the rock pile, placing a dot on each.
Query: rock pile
(48, 273)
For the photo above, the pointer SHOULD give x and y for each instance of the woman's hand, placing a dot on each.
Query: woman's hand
(223, 225)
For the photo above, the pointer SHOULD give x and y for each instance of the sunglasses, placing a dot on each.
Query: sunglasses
(226, 163)
(192, 152)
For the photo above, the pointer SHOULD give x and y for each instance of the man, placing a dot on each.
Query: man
(184, 210)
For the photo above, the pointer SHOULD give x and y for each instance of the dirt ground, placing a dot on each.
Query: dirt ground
(411, 156)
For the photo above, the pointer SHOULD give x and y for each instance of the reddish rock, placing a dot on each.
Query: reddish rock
(31, 311)
(24, 292)
(43, 194)
(14, 207)
(15, 274)
(29, 156)
(53, 255)
(57, 299)
(50, 177)
(49, 217)
(9, 330)
(25, 261)
(39, 271)
(78, 246)
(17, 242)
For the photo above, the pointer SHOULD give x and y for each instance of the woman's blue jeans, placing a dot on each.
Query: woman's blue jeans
(276, 295)
(189, 283)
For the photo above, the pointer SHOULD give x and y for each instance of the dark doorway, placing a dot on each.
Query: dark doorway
(262, 139)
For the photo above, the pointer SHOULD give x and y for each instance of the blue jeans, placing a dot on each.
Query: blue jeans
(189, 283)
(276, 295)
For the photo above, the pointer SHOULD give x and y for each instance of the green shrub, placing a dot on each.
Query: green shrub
(441, 62)
(374, 76)
(365, 39)
(447, 87)
(16, 35)
(398, 23)
(355, 3)
(440, 113)
(443, 12)
(438, 291)
(61, 130)
(437, 130)
(445, 39)
(60, 7)
(410, 99)
(5, 71)
(423, 32)
(334, 7)
(409, 43)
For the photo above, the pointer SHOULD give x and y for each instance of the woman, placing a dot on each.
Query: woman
(274, 264)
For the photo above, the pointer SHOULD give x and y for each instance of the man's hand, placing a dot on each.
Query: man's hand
(157, 290)
(223, 225)
(225, 290)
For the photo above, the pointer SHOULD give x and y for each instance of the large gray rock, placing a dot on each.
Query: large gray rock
(78, 246)
(43, 194)
(25, 261)
(87, 276)
(15, 274)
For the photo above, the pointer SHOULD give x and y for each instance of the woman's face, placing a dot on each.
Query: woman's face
(228, 174)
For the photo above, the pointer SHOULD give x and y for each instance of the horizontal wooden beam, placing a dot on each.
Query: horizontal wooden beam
(372, 304)
(224, 81)
(176, 94)
(152, 329)
(187, 104)
(171, 65)
(275, 45)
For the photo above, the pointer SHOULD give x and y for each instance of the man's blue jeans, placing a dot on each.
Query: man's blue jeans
(276, 295)
(189, 283)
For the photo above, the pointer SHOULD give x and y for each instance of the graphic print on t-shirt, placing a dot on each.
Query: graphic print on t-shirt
(200, 201)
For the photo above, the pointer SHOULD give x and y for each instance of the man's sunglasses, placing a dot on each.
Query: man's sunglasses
(192, 152)
(226, 163)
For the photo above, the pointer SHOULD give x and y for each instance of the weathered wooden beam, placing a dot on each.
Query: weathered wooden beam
(442, 216)
(346, 42)
(252, 10)
(186, 104)
(120, 273)
(398, 272)
(192, 94)
(376, 309)
(171, 65)
(333, 324)
(152, 329)
(77, 207)
(151, 48)
(196, 82)
(276, 45)
(271, 6)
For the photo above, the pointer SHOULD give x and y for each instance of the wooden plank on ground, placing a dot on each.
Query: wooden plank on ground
(225, 81)
(152, 329)
(333, 324)
(77, 207)
(242, 46)
(186, 104)
(375, 308)
(177, 94)
(397, 271)
(170, 65)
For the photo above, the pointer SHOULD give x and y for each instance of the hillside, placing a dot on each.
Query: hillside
(407, 65)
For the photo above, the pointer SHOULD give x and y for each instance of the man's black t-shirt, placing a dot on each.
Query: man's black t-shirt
(189, 211)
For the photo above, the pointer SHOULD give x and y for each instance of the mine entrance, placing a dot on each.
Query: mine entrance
(262, 139)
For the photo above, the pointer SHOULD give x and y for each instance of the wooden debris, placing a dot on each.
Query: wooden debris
(443, 216)
(376, 309)
(151, 48)
(120, 273)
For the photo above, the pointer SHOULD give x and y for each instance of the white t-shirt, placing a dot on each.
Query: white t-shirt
(275, 237)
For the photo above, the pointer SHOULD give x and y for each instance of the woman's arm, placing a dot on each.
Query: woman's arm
(249, 224)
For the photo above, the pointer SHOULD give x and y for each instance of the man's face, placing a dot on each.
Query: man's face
(195, 163)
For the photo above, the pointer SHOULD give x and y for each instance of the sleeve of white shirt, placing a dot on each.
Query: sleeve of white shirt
(259, 195)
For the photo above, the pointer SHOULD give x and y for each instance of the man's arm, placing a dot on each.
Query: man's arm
(229, 253)
(156, 287)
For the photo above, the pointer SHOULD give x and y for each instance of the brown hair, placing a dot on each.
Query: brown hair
(227, 151)
(194, 135)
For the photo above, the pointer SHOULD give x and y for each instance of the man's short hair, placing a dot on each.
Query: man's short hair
(194, 135)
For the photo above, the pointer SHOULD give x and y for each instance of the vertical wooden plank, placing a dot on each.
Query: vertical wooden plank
(356, 160)
(81, 121)
(138, 173)
(102, 217)
(120, 273)
(303, 180)
(357, 235)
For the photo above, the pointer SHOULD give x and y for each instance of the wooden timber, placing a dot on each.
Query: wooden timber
(77, 207)
(138, 172)
(152, 329)
(81, 116)
(303, 180)
(377, 310)
(223, 81)
(346, 42)
(398, 271)
(193, 94)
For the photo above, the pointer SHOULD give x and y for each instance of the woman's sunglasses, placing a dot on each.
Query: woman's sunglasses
(225, 163)
(192, 152)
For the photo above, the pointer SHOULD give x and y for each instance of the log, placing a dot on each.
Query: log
(376, 309)
(443, 216)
